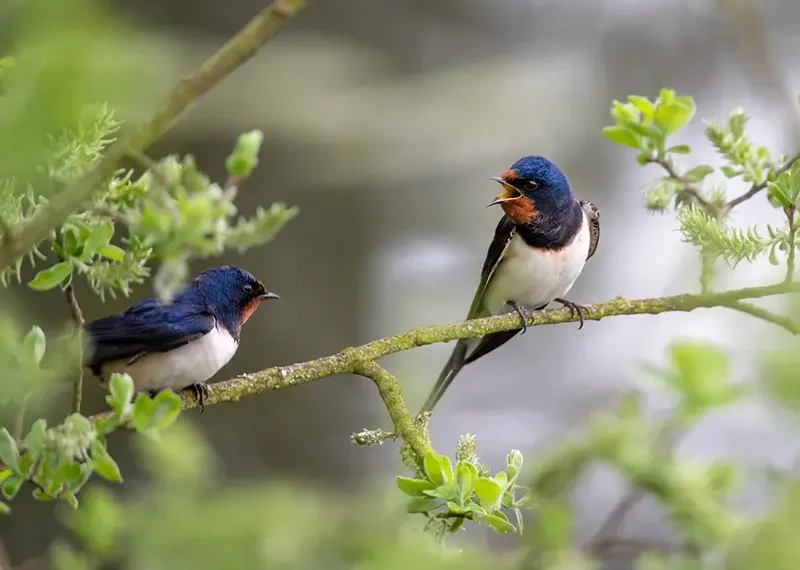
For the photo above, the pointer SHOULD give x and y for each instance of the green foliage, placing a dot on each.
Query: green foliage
(753, 163)
(58, 461)
(449, 496)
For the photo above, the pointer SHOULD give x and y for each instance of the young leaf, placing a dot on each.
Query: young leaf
(35, 344)
(422, 505)
(167, 409)
(671, 116)
(144, 409)
(697, 173)
(104, 465)
(51, 277)
(112, 252)
(9, 454)
(466, 476)
(98, 238)
(622, 136)
(433, 468)
(11, 487)
(120, 391)
(447, 469)
(497, 523)
(643, 104)
(680, 149)
(4, 508)
(34, 441)
(488, 491)
(414, 487)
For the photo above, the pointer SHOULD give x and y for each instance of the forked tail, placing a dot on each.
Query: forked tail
(453, 366)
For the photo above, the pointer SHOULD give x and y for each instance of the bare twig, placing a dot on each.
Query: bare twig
(77, 319)
(791, 214)
(756, 188)
(765, 315)
(183, 96)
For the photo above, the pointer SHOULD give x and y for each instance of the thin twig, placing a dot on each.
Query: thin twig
(791, 215)
(765, 315)
(77, 319)
(347, 361)
(688, 189)
(183, 96)
(756, 188)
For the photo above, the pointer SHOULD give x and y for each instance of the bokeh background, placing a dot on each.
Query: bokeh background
(382, 122)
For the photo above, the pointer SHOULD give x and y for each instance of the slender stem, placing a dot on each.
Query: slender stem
(19, 420)
(688, 188)
(183, 96)
(765, 315)
(756, 188)
(392, 396)
(77, 319)
(790, 258)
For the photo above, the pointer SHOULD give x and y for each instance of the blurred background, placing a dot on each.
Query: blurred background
(382, 122)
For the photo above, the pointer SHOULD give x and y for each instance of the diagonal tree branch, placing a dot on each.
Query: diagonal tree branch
(183, 96)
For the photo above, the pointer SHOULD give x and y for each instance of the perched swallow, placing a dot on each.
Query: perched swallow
(180, 344)
(539, 248)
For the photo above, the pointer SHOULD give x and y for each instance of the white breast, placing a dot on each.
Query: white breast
(191, 363)
(534, 277)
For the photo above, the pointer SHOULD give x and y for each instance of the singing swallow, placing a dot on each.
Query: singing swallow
(180, 344)
(539, 249)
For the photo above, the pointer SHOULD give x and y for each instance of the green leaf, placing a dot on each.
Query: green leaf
(643, 104)
(422, 505)
(9, 454)
(11, 487)
(167, 409)
(99, 237)
(120, 391)
(502, 479)
(447, 469)
(112, 252)
(414, 487)
(730, 171)
(622, 136)
(489, 492)
(446, 492)
(514, 459)
(244, 157)
(4, 508)
(70, 498)
(498, 524)
(780, 192)
(104, 465)
(51, 277)
(34, 441)
(702, 375)
(645, 131)
(64, 557)
(466, 476)
(433, 467)
(698, 173)
(144, 409)
(35, 344)
(671, 117)
(680, 149)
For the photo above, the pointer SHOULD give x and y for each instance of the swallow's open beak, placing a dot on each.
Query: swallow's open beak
(508, 193)
(267, 295)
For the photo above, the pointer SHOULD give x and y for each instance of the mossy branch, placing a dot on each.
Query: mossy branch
(362, 360)
(183, 96)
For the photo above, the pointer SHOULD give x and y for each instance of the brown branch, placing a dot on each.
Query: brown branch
(756, 188)
(183, 96)
(77, 319)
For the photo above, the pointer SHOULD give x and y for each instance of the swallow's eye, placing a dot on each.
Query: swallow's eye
(247, 288)
(530, 185)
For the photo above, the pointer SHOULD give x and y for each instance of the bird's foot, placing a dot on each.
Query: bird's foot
(573, 308)
(522, 312)
(201, 392)
(153, 393)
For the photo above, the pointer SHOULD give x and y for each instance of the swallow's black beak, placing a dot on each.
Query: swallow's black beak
(508, 193)
(267, 295)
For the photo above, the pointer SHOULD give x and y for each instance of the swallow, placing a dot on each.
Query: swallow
(540, 247)
(180, 344)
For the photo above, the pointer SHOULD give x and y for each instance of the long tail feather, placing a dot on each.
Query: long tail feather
(451, 368)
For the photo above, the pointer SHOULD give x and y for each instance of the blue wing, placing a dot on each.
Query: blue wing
(149, 326)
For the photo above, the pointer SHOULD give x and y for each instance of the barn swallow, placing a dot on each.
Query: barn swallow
(539, 249)
(180, 344)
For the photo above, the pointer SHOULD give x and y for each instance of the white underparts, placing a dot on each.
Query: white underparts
(534, 277)
(189, 364)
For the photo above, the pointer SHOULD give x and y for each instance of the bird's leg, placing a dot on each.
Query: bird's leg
(522, 312)
(201, 392)
(154, 392)
(573, 308)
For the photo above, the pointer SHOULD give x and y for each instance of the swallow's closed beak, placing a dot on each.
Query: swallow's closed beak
(268, 295)
(508, 193)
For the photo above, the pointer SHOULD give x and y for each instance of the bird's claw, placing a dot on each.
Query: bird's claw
(522, 312)
(573, 308)
(201, 392)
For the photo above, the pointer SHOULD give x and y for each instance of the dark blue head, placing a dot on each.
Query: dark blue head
(534, 187)
(232, 293)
